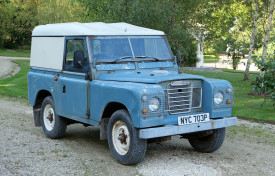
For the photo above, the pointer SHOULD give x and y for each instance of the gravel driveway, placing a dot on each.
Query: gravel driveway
(24, 150)
(8, 68)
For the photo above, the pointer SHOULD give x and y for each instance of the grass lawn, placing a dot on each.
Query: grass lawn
(18, 84)
(210, 58)
(243, 105)
(15, 52)
(239, 71)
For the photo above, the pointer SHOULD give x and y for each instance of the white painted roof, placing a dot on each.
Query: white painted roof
(98, 28)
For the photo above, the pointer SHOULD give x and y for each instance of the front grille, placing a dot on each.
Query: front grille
(179, 97)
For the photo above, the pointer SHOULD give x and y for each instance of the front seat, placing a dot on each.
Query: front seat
(79, 59)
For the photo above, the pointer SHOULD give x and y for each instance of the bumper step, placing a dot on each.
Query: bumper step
(169, 130)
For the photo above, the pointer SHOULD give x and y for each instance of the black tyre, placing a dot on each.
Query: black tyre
(53, 125)
(123, 138)
(210, 143)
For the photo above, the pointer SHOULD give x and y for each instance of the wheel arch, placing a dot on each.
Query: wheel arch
(40, 96)
(107, 112)
(110, 108)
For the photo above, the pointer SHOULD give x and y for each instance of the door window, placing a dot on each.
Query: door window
(76, 58)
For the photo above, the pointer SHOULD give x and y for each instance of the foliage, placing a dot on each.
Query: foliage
(17, 21)
(270, 49)
(176, 18)
(265, 84)
(234, 49)
(160, 15)
(18, 18)
(237, 16)
(49, 11)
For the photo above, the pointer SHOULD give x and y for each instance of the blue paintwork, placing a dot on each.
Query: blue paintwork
(125, 89)
(41, 80)
(75, 101)
(123, 83)
(159, 64)
(148, 76)
(118, 66)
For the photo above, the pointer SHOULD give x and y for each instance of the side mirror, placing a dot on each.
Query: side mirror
(179, 58)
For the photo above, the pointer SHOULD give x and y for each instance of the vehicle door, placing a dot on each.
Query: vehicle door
(73, 85)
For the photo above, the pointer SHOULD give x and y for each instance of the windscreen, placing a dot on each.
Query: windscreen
(136, 47)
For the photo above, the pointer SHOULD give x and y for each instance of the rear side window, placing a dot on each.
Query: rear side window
(76, 58)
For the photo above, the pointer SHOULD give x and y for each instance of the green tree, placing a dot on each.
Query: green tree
(161, 15)
(57, 11)
(18, 18)
(17, 21)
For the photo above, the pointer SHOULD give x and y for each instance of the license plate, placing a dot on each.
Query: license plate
(195, 118)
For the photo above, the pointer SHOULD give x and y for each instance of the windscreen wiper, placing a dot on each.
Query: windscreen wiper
(121, 58)
(150, 57)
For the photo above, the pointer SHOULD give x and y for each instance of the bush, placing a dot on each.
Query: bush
(265, 83)
(235, 50)
(181, 40)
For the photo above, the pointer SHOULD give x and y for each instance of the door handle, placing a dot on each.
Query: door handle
(56, 77)
(64, 89)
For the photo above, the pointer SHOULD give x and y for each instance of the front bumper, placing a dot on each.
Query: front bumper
(169, 130)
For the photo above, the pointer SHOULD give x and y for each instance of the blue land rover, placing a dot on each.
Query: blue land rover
(125, 79)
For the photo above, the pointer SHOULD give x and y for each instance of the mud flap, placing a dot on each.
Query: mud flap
(103, 129)
(36, 116)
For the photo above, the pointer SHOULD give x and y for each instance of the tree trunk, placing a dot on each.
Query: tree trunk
(268, 28)
(200, 40)
(246, 73)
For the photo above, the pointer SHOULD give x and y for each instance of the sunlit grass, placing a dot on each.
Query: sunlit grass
(16, 85)
(15, 52)
(210, 58)
(239, 71)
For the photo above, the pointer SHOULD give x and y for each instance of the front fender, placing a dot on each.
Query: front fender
(127, 93)
(210, 87)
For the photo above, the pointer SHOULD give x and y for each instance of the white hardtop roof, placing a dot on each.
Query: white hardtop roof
(97, 28)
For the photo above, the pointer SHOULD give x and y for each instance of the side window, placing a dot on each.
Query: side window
(76, 59)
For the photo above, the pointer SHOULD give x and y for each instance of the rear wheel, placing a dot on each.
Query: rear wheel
(53, 125)
(210, 143)
(123, 139)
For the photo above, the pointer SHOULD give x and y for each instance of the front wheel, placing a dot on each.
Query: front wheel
(210, 143)
(53, 125)
(123, 139)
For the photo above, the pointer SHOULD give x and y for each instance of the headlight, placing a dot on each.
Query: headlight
(154, 104)
(218, 98)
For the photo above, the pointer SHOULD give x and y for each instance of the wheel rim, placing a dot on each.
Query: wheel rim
(121, 137)
(48, 117)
